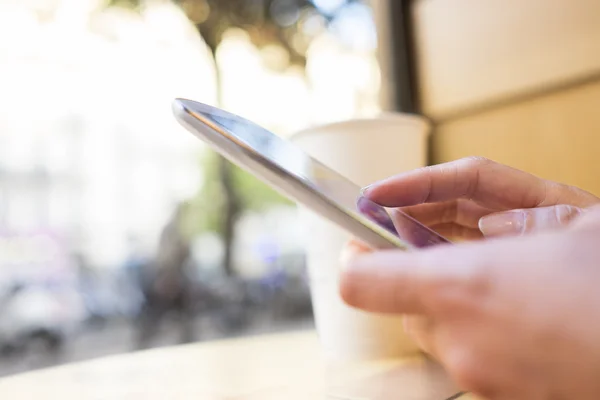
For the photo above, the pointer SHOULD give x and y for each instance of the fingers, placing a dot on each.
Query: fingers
(454, 348)
(454, 278)
(471, 178)
(455, 220)
(486, 182)
(381, 282)
(519, 222)
(462, 212)
(457, 232)
(591, 220)
(419, 282)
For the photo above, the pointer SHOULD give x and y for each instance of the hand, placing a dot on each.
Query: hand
(468, 198)
(509, 318)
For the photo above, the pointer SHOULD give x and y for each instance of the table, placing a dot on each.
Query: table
(284, 366)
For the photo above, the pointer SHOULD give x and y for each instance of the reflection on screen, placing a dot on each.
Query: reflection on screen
(316, 175)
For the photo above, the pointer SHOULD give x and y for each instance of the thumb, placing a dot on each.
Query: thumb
(519, 222)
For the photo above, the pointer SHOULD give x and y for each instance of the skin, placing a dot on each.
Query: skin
(515, 316)
(476, 197)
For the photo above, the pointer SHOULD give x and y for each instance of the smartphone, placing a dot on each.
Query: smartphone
(296, 175)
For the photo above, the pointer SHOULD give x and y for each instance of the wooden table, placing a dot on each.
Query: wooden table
(288, 366)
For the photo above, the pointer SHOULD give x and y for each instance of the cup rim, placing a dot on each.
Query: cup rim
(411, 119)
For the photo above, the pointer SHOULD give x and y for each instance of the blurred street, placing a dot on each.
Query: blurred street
(120, 231)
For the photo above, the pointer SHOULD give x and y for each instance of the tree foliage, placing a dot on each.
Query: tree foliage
(205, 212)
(267, 22)
(228, 190)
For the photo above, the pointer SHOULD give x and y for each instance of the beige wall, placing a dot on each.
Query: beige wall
(514, 80)
(555, 136)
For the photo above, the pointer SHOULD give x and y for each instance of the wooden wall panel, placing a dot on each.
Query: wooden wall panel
(555, 136)
(473, 52)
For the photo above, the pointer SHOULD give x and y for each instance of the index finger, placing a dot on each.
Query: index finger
(396, 282)
(445, 278)
(488, 183)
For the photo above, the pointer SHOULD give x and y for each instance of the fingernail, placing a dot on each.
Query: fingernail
(503, 223)
(364, 191)
(351, 251)
(348, 253)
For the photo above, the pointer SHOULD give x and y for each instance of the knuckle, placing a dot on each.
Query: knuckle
(474, 166)
(565, 213)
(590, 221)
(476, 161)
(467, 370)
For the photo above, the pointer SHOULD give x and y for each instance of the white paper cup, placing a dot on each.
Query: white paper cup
(364, 151)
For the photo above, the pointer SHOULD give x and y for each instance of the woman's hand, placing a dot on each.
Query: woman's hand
(509, 318)
(476, 197)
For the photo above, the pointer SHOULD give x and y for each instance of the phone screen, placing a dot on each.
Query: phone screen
(259, 142)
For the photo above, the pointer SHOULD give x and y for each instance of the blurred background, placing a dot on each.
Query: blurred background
(118, 229)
